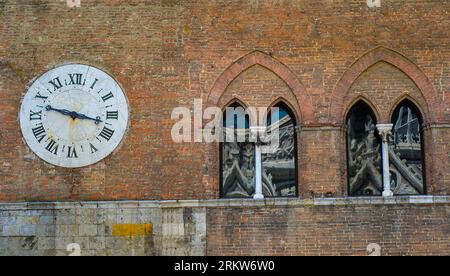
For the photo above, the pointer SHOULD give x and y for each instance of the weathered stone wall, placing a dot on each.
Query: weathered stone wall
(400, 226)
(123, 228)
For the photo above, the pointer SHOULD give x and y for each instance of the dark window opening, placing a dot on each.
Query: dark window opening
(279, 159)
(406, 153)
(364, 152)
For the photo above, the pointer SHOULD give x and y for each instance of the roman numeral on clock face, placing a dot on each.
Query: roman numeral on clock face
(73, 116)
(71, 152)
(35, 115)
(93, 148)
(39, 96)
(52, 147)
(39, 132)
(56, 83)
(107, 96)
(106, 133)
(93, 85)
(112, 115)
(76, 79)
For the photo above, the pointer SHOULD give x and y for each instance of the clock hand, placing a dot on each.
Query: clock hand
(84, 117)
(74, 115)
(66, 112)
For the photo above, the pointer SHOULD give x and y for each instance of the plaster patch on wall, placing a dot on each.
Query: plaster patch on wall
(132, 230)
(374, 3)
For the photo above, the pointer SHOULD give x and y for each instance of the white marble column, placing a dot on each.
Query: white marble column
(385, 131)
(257, 132)
(258, 168)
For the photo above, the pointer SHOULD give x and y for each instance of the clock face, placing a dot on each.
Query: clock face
(74, 116)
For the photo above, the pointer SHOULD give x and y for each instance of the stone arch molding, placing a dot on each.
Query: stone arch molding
(369, 103)
(259, 58)
(382, 54)
(292, 108)
(402, 99)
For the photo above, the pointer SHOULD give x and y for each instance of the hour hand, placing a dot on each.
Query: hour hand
(84, 117)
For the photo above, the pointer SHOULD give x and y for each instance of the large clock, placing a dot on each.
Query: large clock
(74, 116)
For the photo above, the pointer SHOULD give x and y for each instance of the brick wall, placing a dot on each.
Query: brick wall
(319, 56)
(399, 229)
(438, 160)
(320, 162)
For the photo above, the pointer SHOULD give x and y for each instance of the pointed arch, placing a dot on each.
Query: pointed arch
(407, 157)
(249, 111)
(236, 156)
(234, 100)
(395, 59)
(237, 103)
(280, 167)
(281, 70)
(358, 100)
(363, 151)
(407, 98)
(292, 109)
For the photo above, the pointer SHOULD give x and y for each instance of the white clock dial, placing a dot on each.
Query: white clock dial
(74, 116)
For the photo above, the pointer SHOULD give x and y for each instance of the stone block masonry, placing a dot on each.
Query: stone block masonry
(400, 226)
(123, 228)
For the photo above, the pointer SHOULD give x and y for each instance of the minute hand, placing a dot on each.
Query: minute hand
(66, 112)
(73, 114)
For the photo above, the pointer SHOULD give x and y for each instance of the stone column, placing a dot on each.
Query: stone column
(385, 131)
(257, 133)
(258, 168)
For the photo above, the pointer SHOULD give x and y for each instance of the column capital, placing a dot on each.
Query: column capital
(382, 127)
(385, 131)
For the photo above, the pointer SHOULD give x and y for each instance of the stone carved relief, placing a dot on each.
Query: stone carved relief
(405, 155)
(364, 154)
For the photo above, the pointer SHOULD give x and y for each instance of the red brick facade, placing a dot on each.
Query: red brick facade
(319, 57)
(328, 230)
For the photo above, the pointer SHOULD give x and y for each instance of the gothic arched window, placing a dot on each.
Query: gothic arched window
(406, 154)
(237, 155)
(279, 158)
(364, 152)
(259, 167)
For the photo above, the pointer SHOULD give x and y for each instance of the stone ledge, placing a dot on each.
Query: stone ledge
(436, 125)
(272, 202)
(320, 128)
